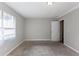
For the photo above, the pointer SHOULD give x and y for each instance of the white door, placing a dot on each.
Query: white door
(55, 31)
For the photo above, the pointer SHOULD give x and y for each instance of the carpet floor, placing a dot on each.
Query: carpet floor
(45, 48)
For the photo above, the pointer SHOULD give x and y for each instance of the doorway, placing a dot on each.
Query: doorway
(62, 31)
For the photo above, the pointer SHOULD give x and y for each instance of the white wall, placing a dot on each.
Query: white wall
(7, 45)
(55, 30)
(71, 29)
(38, 29)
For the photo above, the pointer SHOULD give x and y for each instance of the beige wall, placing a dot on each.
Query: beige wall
(36, 29)
(71, 29)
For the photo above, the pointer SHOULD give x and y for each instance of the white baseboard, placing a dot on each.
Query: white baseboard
(37, 39)
(14, 48)
(71, 48)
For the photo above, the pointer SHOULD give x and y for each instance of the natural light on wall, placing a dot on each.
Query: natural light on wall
(7, 26)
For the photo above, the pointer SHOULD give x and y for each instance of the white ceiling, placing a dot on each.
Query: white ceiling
(41, 9)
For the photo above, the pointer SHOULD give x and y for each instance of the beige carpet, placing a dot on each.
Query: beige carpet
(45, 48)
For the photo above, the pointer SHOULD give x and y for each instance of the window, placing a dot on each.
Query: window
(8, 26)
